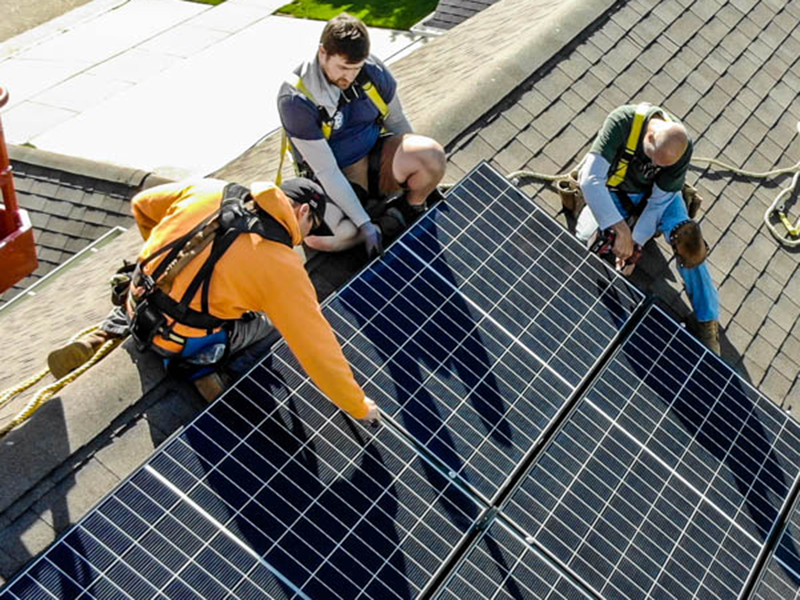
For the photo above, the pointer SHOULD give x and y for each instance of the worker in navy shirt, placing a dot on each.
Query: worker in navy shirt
(356, 141)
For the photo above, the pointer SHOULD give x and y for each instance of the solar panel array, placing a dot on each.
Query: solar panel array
(668, 476)
(475, 329)
(547, 436)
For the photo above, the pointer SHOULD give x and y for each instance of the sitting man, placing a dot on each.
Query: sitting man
(216, 268)
(637, 168)
(347, 130)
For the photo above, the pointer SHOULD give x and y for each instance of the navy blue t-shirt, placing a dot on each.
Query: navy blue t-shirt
(355, 126)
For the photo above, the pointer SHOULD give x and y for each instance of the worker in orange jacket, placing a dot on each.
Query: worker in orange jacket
(255, 282)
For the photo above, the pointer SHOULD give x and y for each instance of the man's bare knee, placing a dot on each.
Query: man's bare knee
(420, 163)
(345, 235)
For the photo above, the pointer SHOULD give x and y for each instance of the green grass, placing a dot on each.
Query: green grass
(393, 14)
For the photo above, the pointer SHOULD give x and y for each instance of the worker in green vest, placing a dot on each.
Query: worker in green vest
(635, 172)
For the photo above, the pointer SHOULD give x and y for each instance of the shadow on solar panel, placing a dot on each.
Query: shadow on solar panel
(477, 326)
(668, 479)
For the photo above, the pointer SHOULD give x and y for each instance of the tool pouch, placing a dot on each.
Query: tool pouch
(571, 194)
(147, 321)
(692, 199)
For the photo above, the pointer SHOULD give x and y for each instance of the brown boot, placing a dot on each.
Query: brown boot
(66, 359)
(210, 386)
(708, 333)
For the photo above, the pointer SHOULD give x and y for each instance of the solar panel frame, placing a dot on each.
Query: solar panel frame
(780, 577)
(607, 484)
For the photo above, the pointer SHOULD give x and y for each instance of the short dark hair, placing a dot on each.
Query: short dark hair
(347, 36)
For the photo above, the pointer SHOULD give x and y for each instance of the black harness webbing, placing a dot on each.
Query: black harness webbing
(234, 217)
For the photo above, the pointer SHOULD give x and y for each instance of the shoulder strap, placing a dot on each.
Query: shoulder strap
(373, 94)
(324, 117)
(621, 169)
(237, 214)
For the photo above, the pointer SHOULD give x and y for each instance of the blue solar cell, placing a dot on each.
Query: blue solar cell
(667, 477)
(501, 565)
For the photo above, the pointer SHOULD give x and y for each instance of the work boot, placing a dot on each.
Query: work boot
(210, 386)
(66, 359)
(708, 333)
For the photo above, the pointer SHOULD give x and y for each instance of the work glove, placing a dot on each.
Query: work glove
(371, 236)
(373, 417)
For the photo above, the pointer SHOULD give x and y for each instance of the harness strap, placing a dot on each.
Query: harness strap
(326, 121)
(372, 93)
(621, 169)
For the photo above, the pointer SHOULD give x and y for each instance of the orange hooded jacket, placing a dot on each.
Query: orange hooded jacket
(254, 274)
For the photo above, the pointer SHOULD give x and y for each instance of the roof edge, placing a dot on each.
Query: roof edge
(131, 177)
(498, 64)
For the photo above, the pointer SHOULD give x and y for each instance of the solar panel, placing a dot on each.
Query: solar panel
(668, 476)
(478, 325)
(502, 566)
(271, 493)
(781, 578)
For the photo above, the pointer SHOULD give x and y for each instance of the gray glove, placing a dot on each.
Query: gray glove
(371, 236)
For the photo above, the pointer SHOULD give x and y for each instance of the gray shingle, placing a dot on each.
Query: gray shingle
(753, 311)
(588, 87)
(518, 116)
(553, 84)
(785, 312)
(534, 102)
(715, 30)
(684, 28)
(471, 153)
(499, 132)
(532, 139)
(513, 157)
(762, 352)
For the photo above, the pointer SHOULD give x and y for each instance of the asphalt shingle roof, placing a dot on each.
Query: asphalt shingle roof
(728, 70)
(450, 13)
(70, 204)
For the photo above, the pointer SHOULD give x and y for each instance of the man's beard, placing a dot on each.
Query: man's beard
(341, 83)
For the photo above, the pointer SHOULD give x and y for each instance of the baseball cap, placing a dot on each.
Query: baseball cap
(305, 191)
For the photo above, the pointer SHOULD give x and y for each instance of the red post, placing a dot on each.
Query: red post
(9, 220)
(17, 243)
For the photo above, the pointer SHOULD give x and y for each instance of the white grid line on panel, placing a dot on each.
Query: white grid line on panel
(224, 531)
(204, 544)
(292, 458)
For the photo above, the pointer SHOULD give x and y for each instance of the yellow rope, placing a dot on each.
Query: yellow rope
(48, 391)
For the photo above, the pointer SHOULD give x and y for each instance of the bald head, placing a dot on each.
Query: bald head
(665, 142)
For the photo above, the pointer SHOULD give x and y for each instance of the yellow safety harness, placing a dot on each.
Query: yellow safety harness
(621, 169)
(327, 128)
